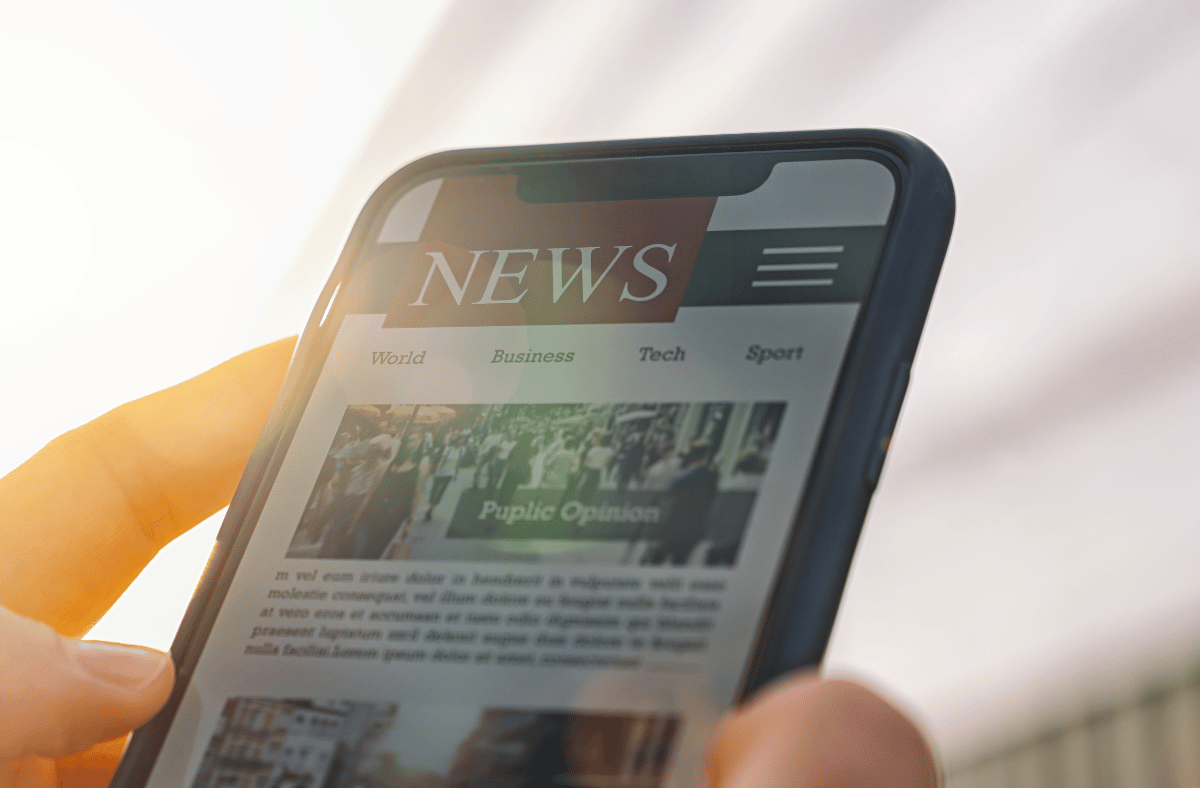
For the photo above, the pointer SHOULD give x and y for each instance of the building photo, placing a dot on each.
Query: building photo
(301, 743)
(291, 743)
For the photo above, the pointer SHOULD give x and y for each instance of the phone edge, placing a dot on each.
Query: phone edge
(921, 169)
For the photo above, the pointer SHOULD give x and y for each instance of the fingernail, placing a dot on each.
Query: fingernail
(127, 667)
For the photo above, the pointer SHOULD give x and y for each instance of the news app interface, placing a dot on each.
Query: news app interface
(529, 520)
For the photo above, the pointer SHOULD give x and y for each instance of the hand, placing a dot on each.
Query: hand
(78, 521)
(805, 732)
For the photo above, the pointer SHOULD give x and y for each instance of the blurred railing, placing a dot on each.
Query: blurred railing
(1151, 741)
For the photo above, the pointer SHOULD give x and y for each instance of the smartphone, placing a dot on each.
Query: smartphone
(571, 458)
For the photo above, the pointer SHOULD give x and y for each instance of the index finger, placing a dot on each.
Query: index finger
(83, 516)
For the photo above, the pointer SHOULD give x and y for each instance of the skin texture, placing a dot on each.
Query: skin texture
(805, 732)
(82, 517)
(79, 521)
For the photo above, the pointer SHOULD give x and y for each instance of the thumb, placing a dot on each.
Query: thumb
(804, 732)
(59, 696)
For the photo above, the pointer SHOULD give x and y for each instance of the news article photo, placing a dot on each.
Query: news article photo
(302, 743)
(625, 484)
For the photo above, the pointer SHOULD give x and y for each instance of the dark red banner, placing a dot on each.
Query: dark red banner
(487, 258)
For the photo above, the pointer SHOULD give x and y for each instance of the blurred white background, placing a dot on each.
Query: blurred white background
(160, 169)
(175, 184)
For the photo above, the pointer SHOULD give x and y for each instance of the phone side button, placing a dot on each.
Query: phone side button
(887, 423)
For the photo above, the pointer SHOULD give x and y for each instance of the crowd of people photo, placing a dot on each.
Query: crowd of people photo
(433, 481)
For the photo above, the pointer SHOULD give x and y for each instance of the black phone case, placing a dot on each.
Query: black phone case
(847, 461)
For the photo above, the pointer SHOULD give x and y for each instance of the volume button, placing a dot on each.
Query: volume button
(887, 423)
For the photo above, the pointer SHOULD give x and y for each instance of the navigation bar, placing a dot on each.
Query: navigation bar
(823, 265)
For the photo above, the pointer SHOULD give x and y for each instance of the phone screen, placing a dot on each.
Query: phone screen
(533, 509)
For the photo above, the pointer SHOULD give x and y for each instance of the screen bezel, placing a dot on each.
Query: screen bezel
(802, 605)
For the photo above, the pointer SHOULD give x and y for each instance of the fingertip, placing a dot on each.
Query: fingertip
(119, 668)
(61, 696)
(888, 740)
(804, 731)
(117, 688)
